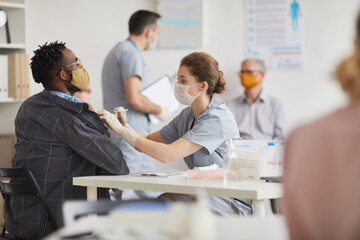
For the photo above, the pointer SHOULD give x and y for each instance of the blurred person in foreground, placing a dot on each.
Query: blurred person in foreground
(322, 166)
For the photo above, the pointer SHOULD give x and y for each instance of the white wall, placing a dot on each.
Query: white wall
(91, 28)
(329, 29)
(329, 33)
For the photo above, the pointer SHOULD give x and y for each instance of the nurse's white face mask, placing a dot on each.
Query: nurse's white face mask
(182, 93)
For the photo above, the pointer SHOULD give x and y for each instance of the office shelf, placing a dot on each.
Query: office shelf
(11, 5)
(12, 46)
(16, 11)
(12, 100)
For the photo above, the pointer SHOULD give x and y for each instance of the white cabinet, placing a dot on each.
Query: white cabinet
(15, 10)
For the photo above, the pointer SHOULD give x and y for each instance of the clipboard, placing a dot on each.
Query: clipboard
(162, 174)
(161, 93)
(272, 179)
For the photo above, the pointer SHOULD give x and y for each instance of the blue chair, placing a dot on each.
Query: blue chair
(75, 209)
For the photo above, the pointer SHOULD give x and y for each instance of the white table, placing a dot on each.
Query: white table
(258, 191)
(229, 228)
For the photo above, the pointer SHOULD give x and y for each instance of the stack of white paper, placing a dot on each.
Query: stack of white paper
(161, 93)
(164, 173)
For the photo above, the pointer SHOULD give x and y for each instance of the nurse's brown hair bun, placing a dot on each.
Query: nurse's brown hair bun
(205, 68)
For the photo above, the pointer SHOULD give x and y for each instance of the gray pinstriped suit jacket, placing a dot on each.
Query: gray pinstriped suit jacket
(57, 140)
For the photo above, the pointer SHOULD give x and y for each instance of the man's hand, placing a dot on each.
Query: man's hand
(164, 115)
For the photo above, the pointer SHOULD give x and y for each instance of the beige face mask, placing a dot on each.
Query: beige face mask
(80, 78)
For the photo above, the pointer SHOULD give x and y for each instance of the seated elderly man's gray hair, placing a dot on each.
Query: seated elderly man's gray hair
(259, 63)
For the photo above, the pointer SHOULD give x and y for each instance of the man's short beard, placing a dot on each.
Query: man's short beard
(72, 89)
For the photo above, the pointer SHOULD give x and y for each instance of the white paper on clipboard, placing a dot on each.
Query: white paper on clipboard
(161, 93)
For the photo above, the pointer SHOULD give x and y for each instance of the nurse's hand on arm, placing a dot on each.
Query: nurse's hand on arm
(120, 112)
(112, 121)
(153, 145)
(164, 115)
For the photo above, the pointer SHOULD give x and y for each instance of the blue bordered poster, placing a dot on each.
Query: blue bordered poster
(274, 33)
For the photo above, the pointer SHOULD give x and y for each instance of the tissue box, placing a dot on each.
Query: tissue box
(267, 154)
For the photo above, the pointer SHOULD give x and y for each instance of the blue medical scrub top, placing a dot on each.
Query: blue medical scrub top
(212, 128)
(124, 61)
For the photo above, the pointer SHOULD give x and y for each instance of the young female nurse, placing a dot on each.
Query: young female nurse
(198, 133)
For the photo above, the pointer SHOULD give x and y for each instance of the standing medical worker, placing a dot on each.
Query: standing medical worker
(198, 133)
(123, 78)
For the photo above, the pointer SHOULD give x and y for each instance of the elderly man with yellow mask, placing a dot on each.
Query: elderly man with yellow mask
(258, 115)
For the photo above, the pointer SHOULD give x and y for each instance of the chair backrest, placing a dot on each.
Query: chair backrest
(75, 209)
(22, 182)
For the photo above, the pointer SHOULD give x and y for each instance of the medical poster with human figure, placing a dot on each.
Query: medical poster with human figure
(274, 33)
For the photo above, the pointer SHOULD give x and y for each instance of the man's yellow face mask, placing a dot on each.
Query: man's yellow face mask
(80, 77)
(249, 80)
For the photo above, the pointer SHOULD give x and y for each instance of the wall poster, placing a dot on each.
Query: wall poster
(274, 33)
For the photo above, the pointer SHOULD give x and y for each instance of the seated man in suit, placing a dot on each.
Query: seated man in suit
(58, 138)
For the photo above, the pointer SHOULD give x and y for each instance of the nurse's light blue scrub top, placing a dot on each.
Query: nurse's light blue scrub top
(211, 130)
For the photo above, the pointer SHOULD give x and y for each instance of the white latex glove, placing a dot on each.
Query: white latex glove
(121, 115)
(112, 121)
(164, 115)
